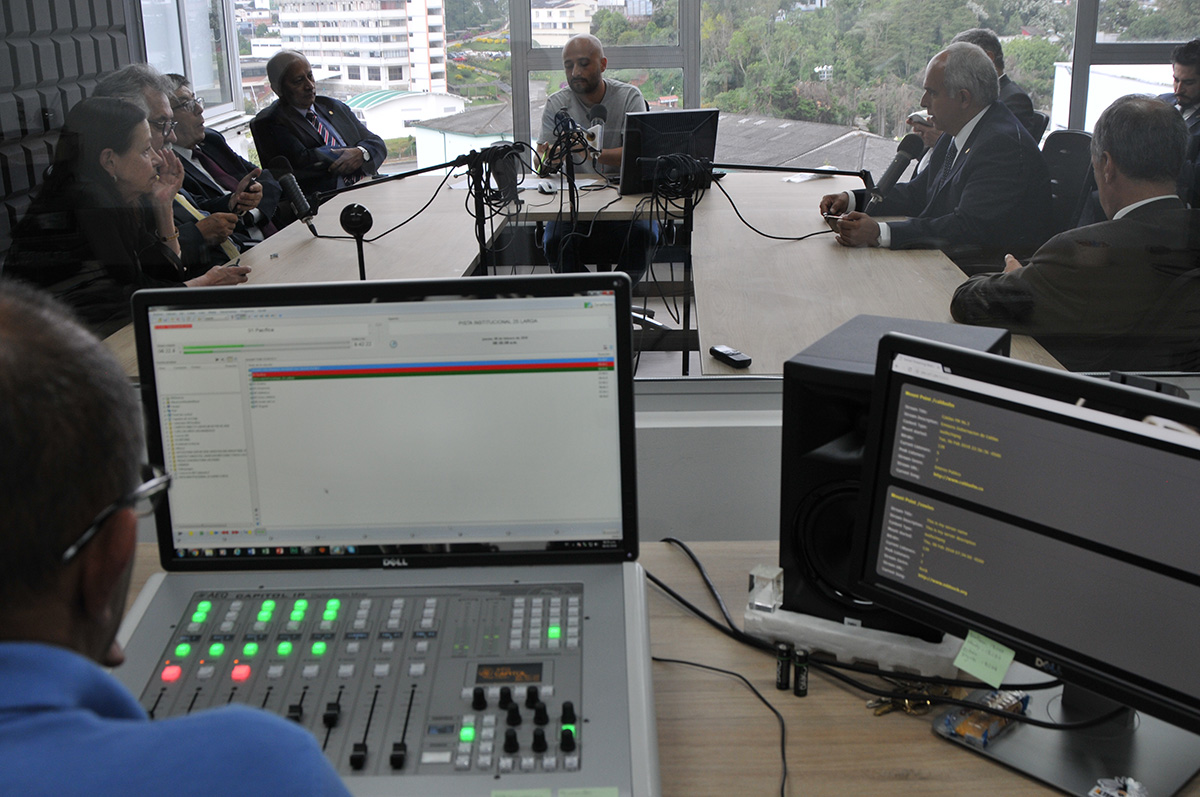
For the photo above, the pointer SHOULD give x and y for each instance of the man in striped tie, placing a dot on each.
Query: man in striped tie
(323, 141)
(986, 191)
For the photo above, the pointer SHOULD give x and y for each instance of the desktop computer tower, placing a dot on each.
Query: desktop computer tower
(826, 405)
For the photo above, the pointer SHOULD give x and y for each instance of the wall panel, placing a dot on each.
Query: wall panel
(52, 54)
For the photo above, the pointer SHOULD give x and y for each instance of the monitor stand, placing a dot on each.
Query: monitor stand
(1160, 756)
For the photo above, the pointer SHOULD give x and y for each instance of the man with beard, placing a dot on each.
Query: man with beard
(584, 64)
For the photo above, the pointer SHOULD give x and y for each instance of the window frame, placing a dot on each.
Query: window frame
(526, 58)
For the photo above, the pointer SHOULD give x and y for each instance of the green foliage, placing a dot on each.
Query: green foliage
(465, 14)
(403, 147)
(1030, 62)
(768, 57)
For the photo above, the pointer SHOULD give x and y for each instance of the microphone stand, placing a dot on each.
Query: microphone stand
(864, 174)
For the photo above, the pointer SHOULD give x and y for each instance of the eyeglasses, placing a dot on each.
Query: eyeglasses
(165, 126)
(193, 105)
(142, 499)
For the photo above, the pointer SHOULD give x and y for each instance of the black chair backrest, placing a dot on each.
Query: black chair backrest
(1069, 160)
(1039, 127)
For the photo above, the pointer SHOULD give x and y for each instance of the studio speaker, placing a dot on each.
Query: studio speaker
(826, 406)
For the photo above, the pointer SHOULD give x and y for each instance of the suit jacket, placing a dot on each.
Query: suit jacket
(1109, 296)
(195, 253)
(996, 199)
(214, 197)
(1013, 96)
(1189, 178)
(279, 129)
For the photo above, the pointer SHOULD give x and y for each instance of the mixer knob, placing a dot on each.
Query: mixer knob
(478, 699)
(540, 715)
(505, 697)
(532, 696)
(568, 715)
(539, 741)
(567, 742)
(511, 745)
(514, 715)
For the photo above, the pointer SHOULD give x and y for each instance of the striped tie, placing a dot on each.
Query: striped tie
(331, 141)
(326, 134)
(227, 246)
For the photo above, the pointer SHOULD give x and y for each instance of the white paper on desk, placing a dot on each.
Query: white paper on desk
(804, 178)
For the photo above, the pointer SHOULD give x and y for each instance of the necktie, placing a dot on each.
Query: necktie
(230, 183)
(223, 178)
(331, 141)
(227, 246)
(948, 164)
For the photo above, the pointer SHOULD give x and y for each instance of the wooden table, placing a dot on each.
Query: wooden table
(715, 738)
(772, 299)
(439, 243)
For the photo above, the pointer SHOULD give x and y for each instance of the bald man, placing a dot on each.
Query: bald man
(323, 141)
(583, 65)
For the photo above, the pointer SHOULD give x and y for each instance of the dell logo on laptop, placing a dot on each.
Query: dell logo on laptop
(395, 563)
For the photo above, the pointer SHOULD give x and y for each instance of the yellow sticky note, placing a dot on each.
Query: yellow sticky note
(985, 659)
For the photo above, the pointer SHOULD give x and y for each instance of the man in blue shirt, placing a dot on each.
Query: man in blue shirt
(70, 490)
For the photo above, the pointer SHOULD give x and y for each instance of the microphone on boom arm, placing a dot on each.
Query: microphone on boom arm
(282, 170)
(910, 147)
(597, 116)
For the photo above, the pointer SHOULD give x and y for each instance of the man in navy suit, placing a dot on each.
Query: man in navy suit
(323, 141)
(986, 191)
(1123, 294)
(1185, 70)
(219, 179)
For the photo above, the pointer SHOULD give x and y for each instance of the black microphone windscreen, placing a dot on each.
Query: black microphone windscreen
(912, 145)
(279, 165)
(598, 113)
(291, 190)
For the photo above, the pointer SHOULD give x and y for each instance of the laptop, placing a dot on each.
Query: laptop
(404, 516)
(649, 135)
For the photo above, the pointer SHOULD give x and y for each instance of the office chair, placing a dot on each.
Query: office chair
(1039, 127)
(1069, 160)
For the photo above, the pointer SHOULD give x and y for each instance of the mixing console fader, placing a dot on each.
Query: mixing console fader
(483, 681)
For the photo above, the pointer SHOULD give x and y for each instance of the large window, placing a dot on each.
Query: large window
(194, 38)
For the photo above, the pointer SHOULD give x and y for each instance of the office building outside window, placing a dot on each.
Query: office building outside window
(402, 45)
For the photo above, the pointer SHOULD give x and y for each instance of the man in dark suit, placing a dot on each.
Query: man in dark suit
(1124, 293)
(1011, 94)
(323, 141)
(219, 179)
(1185, 71)
(986, 190)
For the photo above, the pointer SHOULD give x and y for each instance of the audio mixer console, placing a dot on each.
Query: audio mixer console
(421, 689)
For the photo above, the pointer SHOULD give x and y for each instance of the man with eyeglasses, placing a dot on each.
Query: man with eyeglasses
(70, 490)
(207, 237)
(216, 175)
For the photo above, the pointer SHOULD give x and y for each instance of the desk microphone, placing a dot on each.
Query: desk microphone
(291, 190)
(910, 147)
(597, 116)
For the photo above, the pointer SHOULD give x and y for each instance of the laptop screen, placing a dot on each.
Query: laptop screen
(392, 424)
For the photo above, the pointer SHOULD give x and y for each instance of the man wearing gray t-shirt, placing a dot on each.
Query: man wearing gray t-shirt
(584, 64)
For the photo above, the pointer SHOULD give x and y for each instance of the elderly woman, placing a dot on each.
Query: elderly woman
(102, 225)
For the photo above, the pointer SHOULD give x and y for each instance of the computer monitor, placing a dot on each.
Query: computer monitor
(1055, 514)
(653, 134)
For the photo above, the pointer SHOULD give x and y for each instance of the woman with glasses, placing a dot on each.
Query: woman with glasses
(102, 225)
